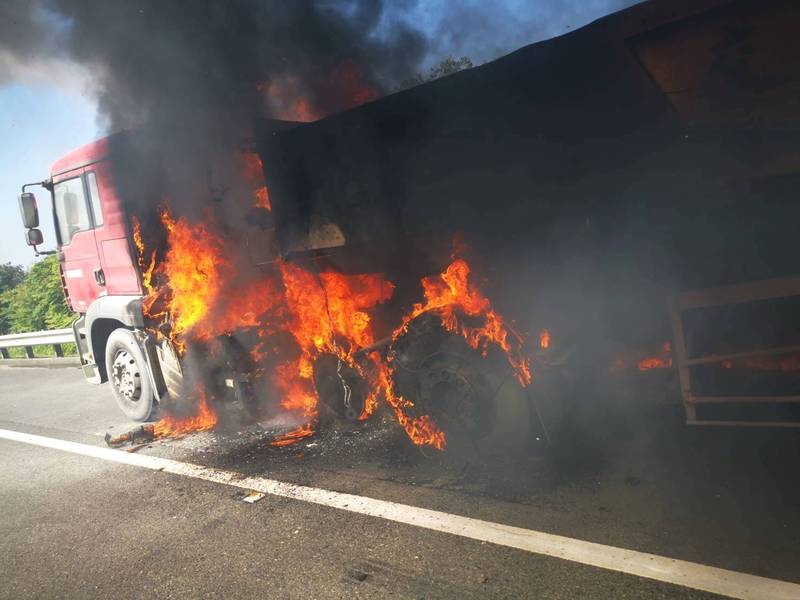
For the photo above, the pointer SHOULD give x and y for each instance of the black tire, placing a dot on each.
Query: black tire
(438, 371)
(127, 373)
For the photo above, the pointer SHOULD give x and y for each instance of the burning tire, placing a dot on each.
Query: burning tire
(475, 400)
(127, 373)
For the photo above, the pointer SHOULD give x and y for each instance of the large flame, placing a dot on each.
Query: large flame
(196, 271)
(249, 304)
(451, 295)
(201, 296)
(327, 315)
(192, 267)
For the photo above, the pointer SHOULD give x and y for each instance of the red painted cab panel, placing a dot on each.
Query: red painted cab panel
(92, 227)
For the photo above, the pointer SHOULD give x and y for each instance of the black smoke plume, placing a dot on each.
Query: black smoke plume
(192, 76)
(150, 58)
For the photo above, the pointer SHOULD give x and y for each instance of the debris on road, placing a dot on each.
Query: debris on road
(253, 496)
(144, 434)
(137, 447)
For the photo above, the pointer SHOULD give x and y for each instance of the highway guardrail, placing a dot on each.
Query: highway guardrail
(54, 338)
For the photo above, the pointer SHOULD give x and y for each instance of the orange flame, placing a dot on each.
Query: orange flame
(288, 102)
(452, 294)
(346, 87)
(247, 305)
(325, 313)
(253, 170)
(205, 419)
(343, 86)
(146, 267)
(422, 430)
(292, 437)
(262, 198)
(662, 361)
(192, 266)
(294, 379)
(544, 339)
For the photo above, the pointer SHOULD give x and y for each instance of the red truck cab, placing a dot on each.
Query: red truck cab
(100, 273)
(91, 227)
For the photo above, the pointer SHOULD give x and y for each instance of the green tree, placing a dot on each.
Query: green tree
(38, 302)
(10, 277)
(446, 66)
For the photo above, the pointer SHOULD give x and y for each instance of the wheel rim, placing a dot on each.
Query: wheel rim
(447, 392)
(126, 376)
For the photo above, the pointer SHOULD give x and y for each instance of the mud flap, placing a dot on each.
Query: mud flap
(88, 365)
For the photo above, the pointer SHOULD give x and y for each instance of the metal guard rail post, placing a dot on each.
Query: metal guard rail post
(54, 338)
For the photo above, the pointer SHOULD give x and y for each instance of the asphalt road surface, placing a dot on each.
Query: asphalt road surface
(78, 521)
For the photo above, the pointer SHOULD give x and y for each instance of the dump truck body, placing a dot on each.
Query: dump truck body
(654, 133)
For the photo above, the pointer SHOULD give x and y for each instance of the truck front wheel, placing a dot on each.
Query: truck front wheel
(127, 373)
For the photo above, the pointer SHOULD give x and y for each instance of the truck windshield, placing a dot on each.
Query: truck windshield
(72, 214)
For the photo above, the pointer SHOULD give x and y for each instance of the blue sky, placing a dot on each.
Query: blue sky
(38, 124)
(486, 30)
(46, 115)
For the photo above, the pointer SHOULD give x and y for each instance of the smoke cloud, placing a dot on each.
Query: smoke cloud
(300, 59)
(152, 58)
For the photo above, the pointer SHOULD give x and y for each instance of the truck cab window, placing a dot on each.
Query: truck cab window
(72, 214)
(94, 199)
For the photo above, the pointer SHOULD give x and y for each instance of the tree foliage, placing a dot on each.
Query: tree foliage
(446, 66)
(37, 302)
(10, 276)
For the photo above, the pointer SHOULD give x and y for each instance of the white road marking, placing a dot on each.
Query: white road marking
(641, 564)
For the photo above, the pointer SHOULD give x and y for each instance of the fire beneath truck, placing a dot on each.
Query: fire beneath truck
(300, 315)
(253, 171)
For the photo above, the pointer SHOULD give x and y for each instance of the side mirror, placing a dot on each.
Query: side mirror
(28, 210)
(34, 237)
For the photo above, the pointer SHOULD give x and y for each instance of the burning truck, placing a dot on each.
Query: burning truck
(185, 314)
(412, 256)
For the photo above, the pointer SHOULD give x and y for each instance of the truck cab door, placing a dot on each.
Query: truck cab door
(111, 231)
(80, 260)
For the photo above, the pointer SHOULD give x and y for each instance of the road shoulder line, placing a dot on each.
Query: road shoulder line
(641, 564)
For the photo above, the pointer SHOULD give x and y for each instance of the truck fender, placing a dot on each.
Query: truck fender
(103, 316)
